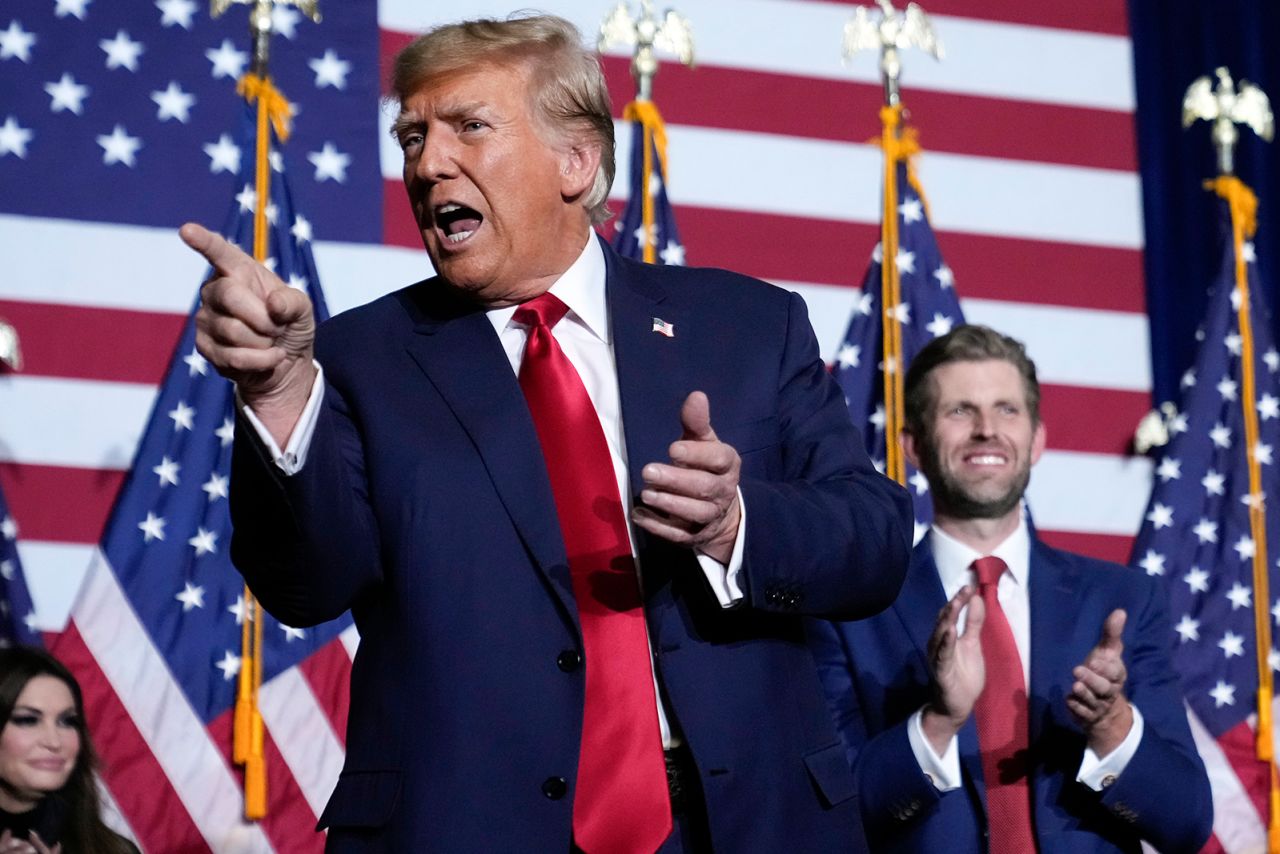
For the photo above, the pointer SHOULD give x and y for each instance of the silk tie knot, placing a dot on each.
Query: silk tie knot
(989, 569)
(546, 309)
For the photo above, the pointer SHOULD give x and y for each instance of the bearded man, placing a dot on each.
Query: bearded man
(1015, 698)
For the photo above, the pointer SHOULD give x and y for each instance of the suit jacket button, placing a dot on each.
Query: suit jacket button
(569, 660)
(555, 787)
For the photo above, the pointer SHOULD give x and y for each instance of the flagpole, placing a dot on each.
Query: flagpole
(248, 738)
(672, 34)
(891, 296)
(1224, 108)
(890, 32)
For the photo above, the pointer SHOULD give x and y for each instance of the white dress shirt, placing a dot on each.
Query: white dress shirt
(955, 560)
(586, 339)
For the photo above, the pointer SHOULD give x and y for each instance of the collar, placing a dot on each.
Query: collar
(581, 288)
(954, 559)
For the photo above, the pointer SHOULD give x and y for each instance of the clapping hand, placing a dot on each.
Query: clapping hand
(956, 666)
(1097, 700)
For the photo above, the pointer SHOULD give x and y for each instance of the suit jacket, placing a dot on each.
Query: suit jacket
(425, 507)
(876, 675)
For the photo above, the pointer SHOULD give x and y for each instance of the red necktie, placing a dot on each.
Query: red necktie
(1002, 718)
(622, 803)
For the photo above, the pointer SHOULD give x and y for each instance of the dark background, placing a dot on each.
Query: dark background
(1174, 42)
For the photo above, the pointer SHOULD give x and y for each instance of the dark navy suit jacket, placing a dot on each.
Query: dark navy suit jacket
(876, 675)
(425, 507)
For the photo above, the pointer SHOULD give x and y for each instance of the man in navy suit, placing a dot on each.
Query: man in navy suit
(399, 464)
(1015, 697)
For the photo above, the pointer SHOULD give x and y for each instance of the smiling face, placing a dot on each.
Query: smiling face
(39, 744)
(496, 195)
(979, 441)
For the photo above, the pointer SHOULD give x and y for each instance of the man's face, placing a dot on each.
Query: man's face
(493, 192)
(980, 442)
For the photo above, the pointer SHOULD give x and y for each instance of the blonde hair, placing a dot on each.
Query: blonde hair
(569, 91)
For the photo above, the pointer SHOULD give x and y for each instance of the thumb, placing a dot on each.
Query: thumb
(695, 417)
(1112, 629)
(287, 306)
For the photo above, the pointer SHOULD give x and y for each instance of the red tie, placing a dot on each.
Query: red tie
(622, 803)
(1002, 718)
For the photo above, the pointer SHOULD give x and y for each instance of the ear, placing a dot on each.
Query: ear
(1037, 443)
(578, 167)
(910, 448)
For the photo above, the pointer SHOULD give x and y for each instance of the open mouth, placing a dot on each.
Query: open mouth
(457, 222)
(986, 459)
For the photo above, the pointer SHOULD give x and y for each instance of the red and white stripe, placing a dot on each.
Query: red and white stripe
(171, 776)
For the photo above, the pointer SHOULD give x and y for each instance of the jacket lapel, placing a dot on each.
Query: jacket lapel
(456, 347)
(1052, 594)
(652, 380)
(1055, 603)
(921, 598)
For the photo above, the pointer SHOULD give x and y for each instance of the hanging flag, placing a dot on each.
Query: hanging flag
(157, 634)
(73, 222)
(924, 307)
(647, 229)
(17, 614)
(1210, 531)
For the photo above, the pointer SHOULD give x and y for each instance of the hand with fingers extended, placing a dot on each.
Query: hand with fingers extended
(957, 669)
(693, 500)
(256, 331)
(1097, 700)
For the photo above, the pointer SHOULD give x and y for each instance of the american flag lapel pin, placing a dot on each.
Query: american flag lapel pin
(661, 327)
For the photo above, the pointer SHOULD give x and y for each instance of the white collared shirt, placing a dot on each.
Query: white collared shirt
(955, 570)
(954, 561)
(585, 337)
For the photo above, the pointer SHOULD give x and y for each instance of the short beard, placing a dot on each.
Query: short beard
(950, 498)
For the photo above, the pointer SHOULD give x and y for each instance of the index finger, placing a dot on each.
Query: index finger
(710, 456)
(225, 257)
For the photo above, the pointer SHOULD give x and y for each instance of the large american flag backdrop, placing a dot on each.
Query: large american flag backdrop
(118, 122)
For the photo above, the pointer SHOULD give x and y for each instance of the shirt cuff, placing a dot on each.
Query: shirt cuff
(943, 771)
(724, 579)
(294, 455)
(1099, 773)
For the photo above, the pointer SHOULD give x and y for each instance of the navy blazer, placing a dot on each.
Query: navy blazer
(876, 675)
(425, 507)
